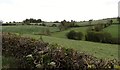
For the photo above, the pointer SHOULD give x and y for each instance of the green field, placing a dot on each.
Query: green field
(99, 50)
(113, 30)
(63, 33)
(96, 22)
(28, 29)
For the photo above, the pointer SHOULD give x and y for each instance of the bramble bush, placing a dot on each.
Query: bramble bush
(34, 54)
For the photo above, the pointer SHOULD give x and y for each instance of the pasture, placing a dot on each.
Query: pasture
(28, 29)
(99, 50)
(113, 30)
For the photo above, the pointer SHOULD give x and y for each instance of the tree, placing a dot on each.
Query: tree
(61, 27)
(98, 27)
(78, 36)
(74, 35)
(43, 24)
(54, 25)
(26, 21)
(102, 37)
(71, 34)
(90, 21)
(31, 20)
(118, 19)
(14, 22)
(39, 21)
(72, 23)
(109, 21)
(56, 21)
(10, 22)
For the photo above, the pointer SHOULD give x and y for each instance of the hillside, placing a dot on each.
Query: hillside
(97, 49)
(113, 30)
(27, 53)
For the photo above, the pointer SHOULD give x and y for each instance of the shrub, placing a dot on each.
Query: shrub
(78, 36)
(98, 27)
(43, 24)
(54, 25)
(33, 55)
(98, 36)
(102, 37)
(71, 34)
(107, 38)
(74, 35)
(115, 41)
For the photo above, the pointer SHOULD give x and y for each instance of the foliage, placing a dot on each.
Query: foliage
(54, 25)
(66, 24)
(118, 19)
(31, 20)
(97, 36)
(43, 24)
(74, 35)
(98, 27)
(34, 54)
(113, 30)
(102, 37)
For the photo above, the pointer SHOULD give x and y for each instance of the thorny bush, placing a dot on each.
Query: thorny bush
(34, 54)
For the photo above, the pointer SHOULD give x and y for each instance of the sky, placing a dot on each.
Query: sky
(52, 10)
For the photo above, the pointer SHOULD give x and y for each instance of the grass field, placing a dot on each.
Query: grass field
(113, 30)
(96, 22)
(99, 50)
(63, 33)
(27, 29)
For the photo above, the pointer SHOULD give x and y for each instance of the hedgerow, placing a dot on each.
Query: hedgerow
(102, 37)
(74, 35)
(34, 54)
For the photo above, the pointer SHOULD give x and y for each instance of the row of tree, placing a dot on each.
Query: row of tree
(102, 37)
(31, 20)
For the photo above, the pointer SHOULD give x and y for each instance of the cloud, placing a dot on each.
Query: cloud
(57, 9)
